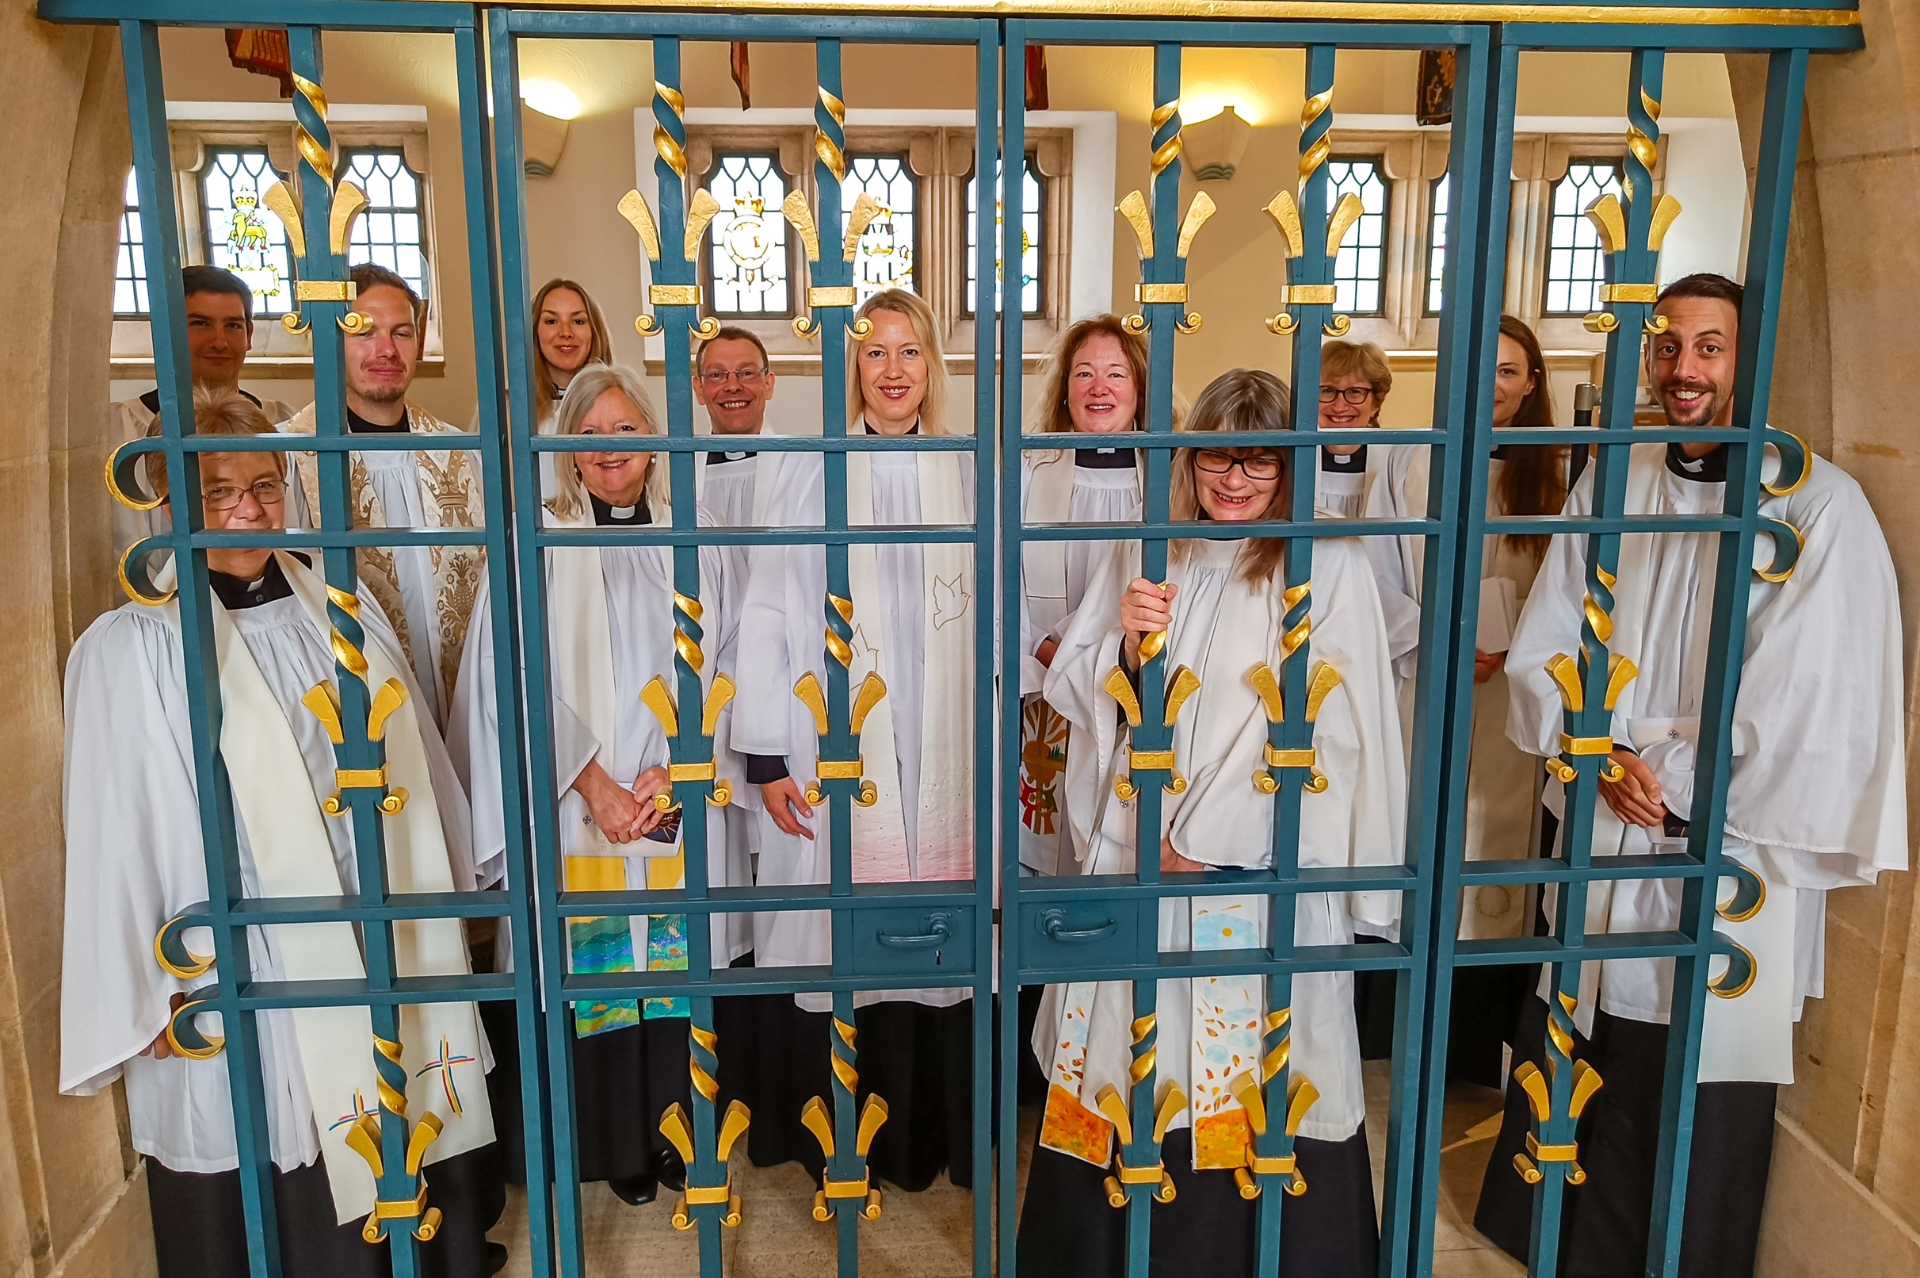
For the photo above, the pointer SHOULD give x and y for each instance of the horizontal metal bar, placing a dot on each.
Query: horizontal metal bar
(1679, 34)
(1096, 888)
(754, 980)
(483, 987)
(1527, 524)
(260, 911)
(948, 893)
(1183, 965)
(283, 442)
(1544, 949)
(1241, 439)
(1209, 530)
(319, 539)
(1665, 865)
(1620, 438)
(750, 443)
(768, 26)
(351, 15)
(865, 535)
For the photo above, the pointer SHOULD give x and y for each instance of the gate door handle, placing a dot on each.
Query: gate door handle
(939, 930)
(1053, 925)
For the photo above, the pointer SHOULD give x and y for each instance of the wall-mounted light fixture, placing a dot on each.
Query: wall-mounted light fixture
(547, 109)
(1214, 146)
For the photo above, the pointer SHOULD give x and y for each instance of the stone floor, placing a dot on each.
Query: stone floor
(927, 1235)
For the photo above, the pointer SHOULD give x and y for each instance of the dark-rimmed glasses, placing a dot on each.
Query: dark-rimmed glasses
(1355, 395)
(1260, 466)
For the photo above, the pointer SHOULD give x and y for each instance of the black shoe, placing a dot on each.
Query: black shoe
(670, 1169)
(635, 1191)
(496, 1254)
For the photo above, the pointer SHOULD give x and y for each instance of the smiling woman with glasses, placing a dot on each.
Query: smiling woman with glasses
(1354, 381)
(1220, 615)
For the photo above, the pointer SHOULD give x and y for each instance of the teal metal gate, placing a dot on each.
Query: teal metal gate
(1029, 931)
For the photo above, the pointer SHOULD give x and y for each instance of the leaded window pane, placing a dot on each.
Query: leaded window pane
(1437, 248)
(747, 240)
(1576, 263)
(1032, 250)
(885, 256)
(130, 263)
(1360, 268)
(389, 233)
(243, 235)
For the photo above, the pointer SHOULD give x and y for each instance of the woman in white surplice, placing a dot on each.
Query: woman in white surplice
(914, 623)
(1221, 607)
(569, 333)
(1096, 382)
(135, 860)
(611, 633)
(1503, 781)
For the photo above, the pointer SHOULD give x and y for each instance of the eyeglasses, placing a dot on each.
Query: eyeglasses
(1260, 466)
(745, 376)
(268, 492)
(1355, 395)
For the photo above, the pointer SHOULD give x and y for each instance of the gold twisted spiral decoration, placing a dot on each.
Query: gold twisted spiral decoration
(843, 1068)
(682, 641)
(703, 1082)
(825, 147)
(316, 156)
(1316, 155)
(1168, 151)
(389, 1097)
(663, 142)
(1143, 1063)
(1277, 1059)
(344, 651)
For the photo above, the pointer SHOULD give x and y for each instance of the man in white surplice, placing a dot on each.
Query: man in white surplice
(135, 860)
(219, 308)
(1816, 800)
(733, 380)
(428, 591)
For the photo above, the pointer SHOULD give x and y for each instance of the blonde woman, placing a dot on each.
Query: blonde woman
(1095, 383)
(1221, 608)
(569, 333)
(914, 624)
(610, 634)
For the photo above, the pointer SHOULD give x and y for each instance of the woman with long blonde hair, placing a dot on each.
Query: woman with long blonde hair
(569, 334)
(914, 626)
(1221, 611)
(610, 634)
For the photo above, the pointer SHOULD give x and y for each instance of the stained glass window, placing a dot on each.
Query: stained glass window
(243, 235)
(389, 233)
(1362, 263)
(1032, 251)
(747, 241)
(1576, 264)
(1437, 246)
(130, 265)
(886, 254)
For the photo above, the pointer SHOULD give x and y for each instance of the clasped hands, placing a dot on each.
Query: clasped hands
(1636, 798)
(622, 813)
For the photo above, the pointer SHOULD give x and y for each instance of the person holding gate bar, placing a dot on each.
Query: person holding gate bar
(1816, 801)
(1220, 617)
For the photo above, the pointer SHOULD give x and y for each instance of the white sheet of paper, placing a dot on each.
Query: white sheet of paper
(1499, 610)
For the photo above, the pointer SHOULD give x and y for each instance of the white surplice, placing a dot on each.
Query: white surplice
(1503, 781)
(1056, 490)
(638, 602)
(922, 825)
(1222, 627)
(135, 860)
(1817, 796)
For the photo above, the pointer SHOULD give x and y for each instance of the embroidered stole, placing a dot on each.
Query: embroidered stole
(943, 811)
(580, 643)
(293, 857)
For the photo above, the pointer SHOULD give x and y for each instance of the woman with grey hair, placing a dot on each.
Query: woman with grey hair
(610, 634)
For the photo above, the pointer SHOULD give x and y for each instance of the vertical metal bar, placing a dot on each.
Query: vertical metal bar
(319, 265)
(153, 167)
(529, 567)
(1726, 646)
(502, 598)
(1479, 167)
(995, 604)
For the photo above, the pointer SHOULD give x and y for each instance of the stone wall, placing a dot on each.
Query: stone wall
(71, 1198)
(1845, 1192)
